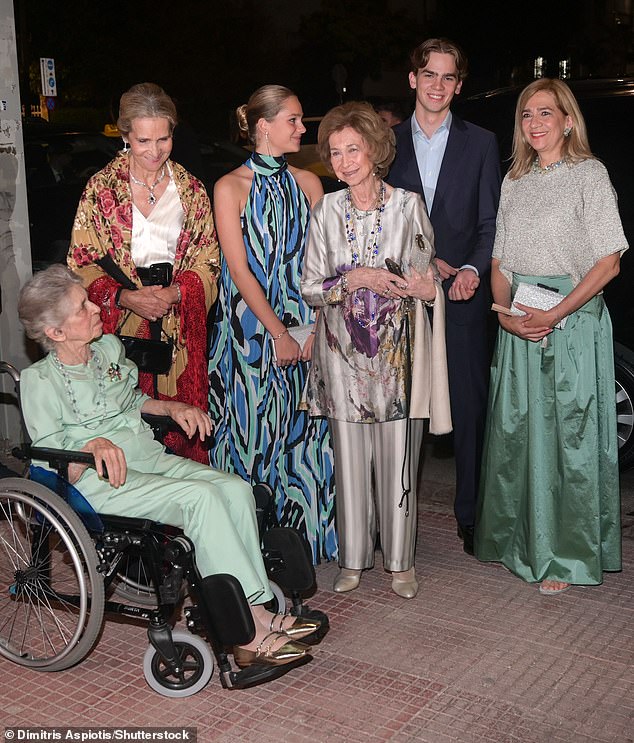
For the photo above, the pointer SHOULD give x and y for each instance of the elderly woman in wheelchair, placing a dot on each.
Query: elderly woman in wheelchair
(83, 396)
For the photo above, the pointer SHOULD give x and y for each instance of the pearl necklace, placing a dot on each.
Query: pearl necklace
(70, 393)
(151, 199)
(369, 258)
(537, 168)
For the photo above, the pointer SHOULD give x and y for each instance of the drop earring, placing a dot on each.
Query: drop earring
(126, 146)
(268, 146)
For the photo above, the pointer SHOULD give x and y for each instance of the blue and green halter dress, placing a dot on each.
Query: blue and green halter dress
(259, 433)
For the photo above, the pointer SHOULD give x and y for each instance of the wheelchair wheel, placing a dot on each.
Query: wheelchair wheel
(132, 583)
(198, 667)
(278, 602)
(51, 595)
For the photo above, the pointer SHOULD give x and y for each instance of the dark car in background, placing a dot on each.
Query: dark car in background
(58, 164)
(608, 109)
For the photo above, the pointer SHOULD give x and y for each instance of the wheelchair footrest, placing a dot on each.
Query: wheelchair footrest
(227, 609)
(287, 560)
(304, 611)
(259, 674)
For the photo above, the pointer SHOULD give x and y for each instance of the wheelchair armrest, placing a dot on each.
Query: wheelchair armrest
(160, 424)
(54, 457)
(57, 459)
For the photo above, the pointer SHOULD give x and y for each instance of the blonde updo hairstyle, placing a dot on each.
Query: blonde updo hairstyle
(361, 117)
(265, 103)
(145, 101)
(575, 147)
(43, 302)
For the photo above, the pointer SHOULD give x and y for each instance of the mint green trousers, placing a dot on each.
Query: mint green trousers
(216, 510)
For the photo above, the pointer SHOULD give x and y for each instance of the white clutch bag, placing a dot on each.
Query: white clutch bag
(533, 295)
(299, 333)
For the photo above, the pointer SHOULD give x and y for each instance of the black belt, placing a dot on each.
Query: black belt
(158, 274)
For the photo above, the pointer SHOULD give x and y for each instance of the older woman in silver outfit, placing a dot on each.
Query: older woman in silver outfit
(373, 342)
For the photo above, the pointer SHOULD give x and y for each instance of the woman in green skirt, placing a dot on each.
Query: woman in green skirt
(549, 506)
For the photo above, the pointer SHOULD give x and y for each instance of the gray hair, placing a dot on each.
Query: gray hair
(43, 302)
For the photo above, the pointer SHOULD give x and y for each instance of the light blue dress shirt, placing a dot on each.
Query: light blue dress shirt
(429, 155)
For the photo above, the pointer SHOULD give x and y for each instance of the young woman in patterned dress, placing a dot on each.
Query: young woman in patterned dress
(257, 371)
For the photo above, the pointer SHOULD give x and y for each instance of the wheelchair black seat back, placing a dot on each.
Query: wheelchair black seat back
(63, 567)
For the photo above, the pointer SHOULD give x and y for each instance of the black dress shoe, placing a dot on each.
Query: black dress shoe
(466, 534)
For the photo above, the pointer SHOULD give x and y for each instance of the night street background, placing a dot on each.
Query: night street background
(211, 55)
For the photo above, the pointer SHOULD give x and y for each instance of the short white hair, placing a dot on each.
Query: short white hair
(43, 302)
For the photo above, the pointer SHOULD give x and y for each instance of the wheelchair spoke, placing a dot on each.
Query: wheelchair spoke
(6, 636)
(40, 604)
(17, 556)
(49, 579)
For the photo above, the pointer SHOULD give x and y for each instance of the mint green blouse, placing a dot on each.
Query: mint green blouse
(111, 410)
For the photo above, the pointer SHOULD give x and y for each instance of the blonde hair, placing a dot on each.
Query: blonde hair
(265, 103)
(145, 100)
(43, 304)
(575, 147)
(361, 117)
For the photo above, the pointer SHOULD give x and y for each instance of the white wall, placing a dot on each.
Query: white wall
(15, 250)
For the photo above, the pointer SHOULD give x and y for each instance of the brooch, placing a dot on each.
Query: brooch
(114, 372)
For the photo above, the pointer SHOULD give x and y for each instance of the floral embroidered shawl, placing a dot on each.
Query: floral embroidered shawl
(103, 226)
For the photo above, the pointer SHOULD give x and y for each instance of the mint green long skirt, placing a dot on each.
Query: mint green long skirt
(549, 504)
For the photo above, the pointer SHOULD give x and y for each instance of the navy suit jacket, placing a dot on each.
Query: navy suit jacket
(465, 203)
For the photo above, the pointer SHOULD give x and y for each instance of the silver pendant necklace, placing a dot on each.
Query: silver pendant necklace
(151, 199)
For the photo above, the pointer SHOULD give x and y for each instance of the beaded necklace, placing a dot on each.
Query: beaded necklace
(368, 259)
(97, 372)
(537, 168)
(372, 248)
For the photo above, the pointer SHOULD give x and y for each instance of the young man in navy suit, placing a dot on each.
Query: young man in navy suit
(455, 166)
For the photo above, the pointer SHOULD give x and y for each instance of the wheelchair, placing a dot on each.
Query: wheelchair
(63, 567)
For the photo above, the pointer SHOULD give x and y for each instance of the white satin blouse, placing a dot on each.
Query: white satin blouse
(154, 238)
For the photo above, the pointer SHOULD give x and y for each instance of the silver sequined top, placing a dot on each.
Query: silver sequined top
(559, 222)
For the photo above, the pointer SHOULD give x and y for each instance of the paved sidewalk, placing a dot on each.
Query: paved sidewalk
(478, 655)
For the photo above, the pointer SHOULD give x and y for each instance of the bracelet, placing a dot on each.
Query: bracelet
(117, 298)
(344, 283)
(279, 335)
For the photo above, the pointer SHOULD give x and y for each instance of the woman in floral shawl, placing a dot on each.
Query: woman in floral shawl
(144, 244)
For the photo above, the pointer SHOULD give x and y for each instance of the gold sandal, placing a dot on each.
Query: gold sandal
(264, 654)
(299, 628)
